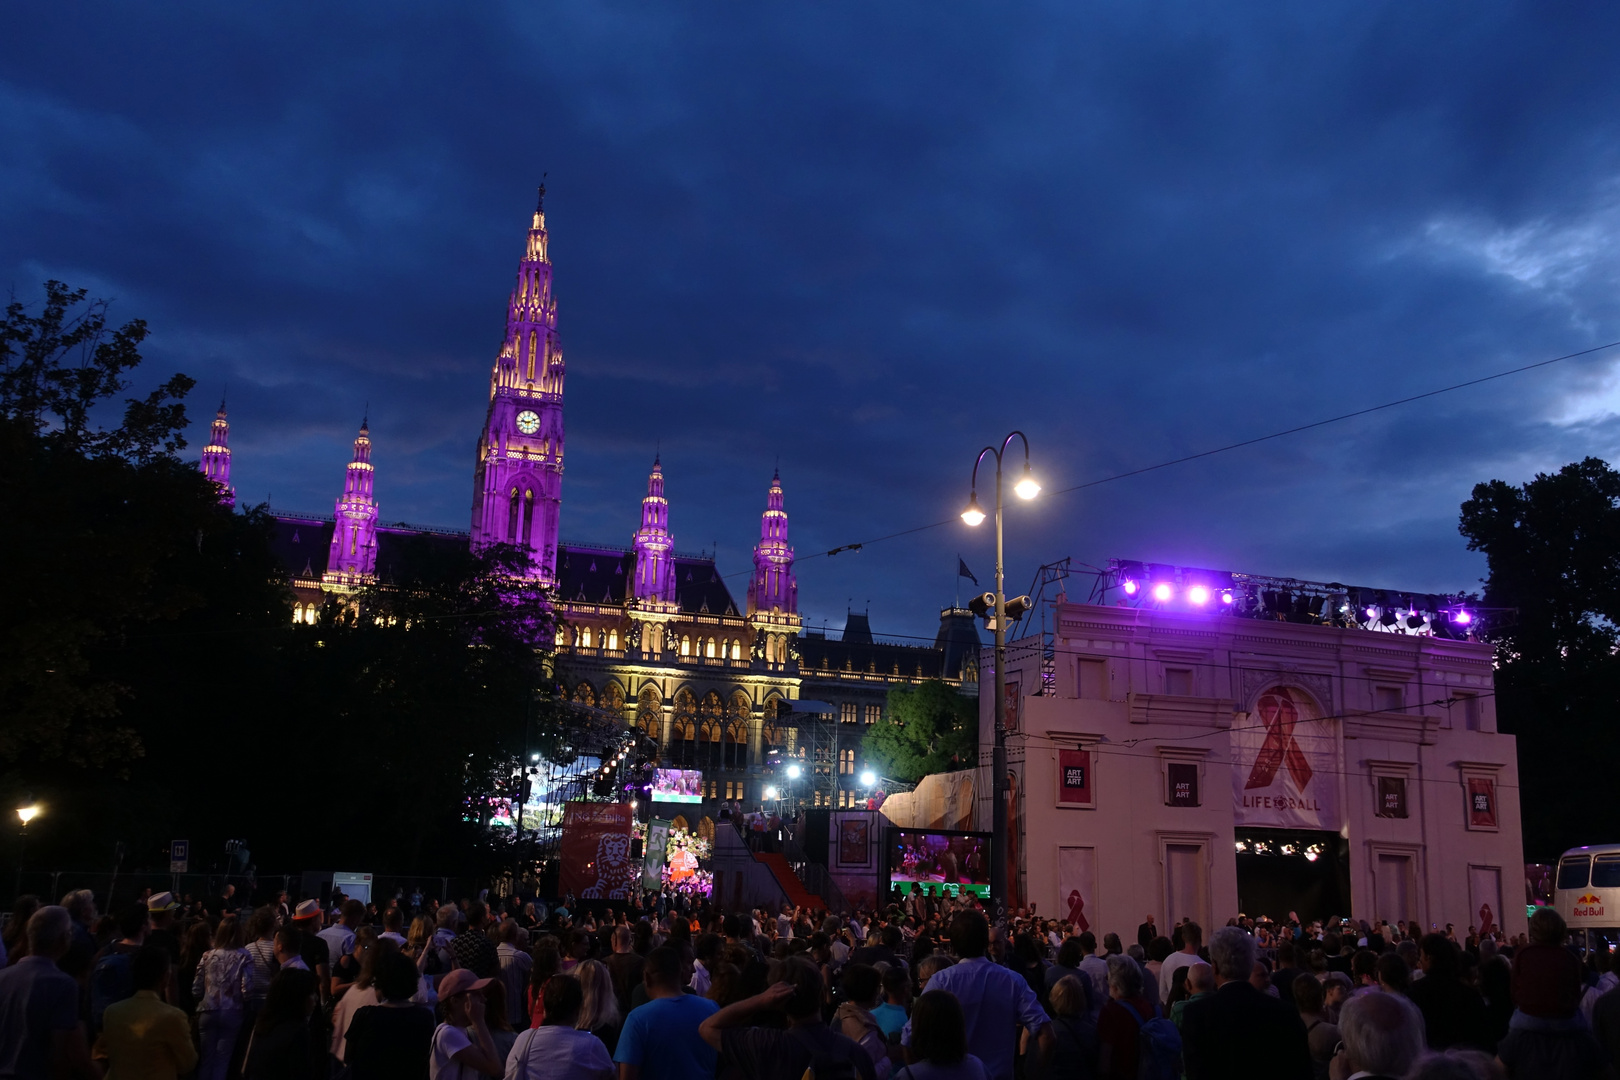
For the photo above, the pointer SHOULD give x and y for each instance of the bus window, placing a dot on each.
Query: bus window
(1606, 871)
(1572, 871)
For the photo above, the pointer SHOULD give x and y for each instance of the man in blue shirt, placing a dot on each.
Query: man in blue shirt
(660, 1040)
(995, 1000)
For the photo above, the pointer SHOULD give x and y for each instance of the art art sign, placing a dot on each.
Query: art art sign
(1074, 777)
(596, 863)
(1285, 764)
(1481, 802)
(1392, 796)
(1182, 777)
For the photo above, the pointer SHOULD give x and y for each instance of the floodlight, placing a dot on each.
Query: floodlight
(1131, 587)
(770, 793)
(1198, 595)
(1163, 591)
(1463, 617)
(868, 778)
(794, 772)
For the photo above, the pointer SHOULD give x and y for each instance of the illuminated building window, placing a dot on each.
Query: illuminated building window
(562, 634)
(848, 712)
(613, 639)
(686, 646)
(710, 649)
(585, 638)
(736, 650)
(846, 762)
(874, 713)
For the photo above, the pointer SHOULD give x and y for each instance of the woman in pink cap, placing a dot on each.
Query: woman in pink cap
(456, 1054)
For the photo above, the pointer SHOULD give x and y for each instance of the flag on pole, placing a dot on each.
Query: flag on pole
(963, 572)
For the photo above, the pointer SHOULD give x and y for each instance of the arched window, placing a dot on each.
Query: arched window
(528, 517)
(613, 639)
(649, 712)
(705, 828)
(512, 518)
(685, 727)
(679, 822)
(686, 645)
(736, 752)
(585, 695)
(562, 633)
(736, 649)
(710, 649)
(709, 744)
(613, 699)
(585, 637)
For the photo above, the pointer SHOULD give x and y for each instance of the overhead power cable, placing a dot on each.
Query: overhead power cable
(857, 546)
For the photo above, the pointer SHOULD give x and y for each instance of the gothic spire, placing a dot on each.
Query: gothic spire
(653, 545)
(773, 587)
(216, 456)
(353, 556)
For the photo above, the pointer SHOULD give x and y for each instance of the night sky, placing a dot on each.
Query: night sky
(861, 240)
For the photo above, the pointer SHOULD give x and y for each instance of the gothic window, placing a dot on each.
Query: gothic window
(770, 734)
(736, 753)
(613, 639)
(710, 649)
(613, 699)
(874, 713)
(512, 519)
(846, 762)
(562, 634)
(533, 345)
(649, 715)
(847, 713)
(686, 726)
(584, 695)
(528, 517)
(773, 708)
(585, 638)
(686, 645)
(709, 743)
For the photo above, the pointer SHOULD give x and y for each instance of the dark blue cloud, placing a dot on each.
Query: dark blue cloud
(864, 242)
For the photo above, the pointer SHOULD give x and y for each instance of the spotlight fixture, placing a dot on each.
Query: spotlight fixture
(1464, 617)
(1198, 595)
(1227, 597)
(868, 778)
(1162, 592)
(1131, 587)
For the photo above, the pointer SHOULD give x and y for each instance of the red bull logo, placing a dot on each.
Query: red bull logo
(1587, 906)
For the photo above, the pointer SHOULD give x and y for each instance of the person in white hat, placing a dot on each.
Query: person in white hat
(456, 1056)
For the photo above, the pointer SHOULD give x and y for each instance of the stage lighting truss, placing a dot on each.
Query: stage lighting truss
(1160, 586)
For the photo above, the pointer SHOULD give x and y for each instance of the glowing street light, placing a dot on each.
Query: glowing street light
(28, 813)
(973, 515)
(1026, 488)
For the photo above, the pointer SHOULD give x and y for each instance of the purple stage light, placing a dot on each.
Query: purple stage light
(1162, 592)
(1463, 617)
(1130, 587)
(1227, 597)
(1372, 613)
(1198, 595)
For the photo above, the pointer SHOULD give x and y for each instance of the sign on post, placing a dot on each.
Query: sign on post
(179, 856)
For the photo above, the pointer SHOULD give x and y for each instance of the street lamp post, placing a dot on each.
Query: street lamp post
(1026, 488)
(25, 814)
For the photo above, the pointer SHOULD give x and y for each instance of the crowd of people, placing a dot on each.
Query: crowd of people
(672, 989)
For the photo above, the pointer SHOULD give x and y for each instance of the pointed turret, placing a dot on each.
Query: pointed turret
(216, 457)
(773, 588)
(517, 483)
(654, 580)
(353, 557)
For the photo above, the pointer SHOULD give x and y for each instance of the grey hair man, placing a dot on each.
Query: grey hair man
(1238, 1026)
(1382, 1035)
(40, 1033)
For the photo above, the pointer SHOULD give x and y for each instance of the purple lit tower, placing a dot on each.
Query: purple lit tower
(353, 558)
(654, 581)
(517, 485)
(773, 592)
(216, 457)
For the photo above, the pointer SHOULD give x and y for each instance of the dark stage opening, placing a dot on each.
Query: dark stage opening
(1283, 870)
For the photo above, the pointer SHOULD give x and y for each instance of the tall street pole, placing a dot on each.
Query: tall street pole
(998, 757)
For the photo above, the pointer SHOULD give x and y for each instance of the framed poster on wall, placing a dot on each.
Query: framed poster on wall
(1074, 778)
(854, 841)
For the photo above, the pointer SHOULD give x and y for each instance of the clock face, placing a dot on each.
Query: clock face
(528, 422)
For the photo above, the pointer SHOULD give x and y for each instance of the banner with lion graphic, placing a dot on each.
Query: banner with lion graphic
(595, 852)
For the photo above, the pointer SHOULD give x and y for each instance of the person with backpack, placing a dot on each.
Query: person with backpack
(1238, 1031)
(111, 980)
(806, 1050)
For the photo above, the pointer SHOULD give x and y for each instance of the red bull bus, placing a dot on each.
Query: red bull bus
(1586, 893)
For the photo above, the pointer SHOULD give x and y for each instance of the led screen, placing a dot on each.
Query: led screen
(677, 785)
(940, 864)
